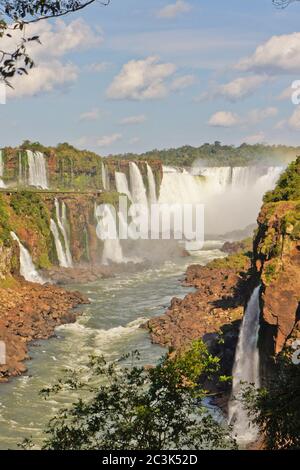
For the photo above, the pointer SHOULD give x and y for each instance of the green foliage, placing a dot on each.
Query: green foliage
(220, 155)
(129, 407)
(276, 408)
(288, 185)
(270, 272)
(30, 204)
(5, 228)
(236, 261)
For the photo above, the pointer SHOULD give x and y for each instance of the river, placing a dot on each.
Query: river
(109, 325)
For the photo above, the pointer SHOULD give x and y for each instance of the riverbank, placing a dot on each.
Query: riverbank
(29, 312)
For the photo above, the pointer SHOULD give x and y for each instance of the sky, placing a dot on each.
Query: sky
(138, 75)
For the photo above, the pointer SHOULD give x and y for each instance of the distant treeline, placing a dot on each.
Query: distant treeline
(217, 154)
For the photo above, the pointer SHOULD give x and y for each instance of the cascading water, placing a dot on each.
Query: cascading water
(61, 255)
(37, 170)
(107, 232)
(2, 184)
(27, 268)
(151, 185)
(138, 190)
(61, 216)
(105, 178)
(245, 370)
(122, 184)
(231, 196)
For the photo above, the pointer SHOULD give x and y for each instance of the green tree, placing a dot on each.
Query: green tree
(276, 408)
(129, 407)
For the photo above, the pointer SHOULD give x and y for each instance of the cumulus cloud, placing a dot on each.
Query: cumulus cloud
(141, 80)
(57, 40)
(258, 115)
(92, 115)
(224, 119)
(43, 79)
(174, 9)
(255, 138)
(241, 87)
(107, 140)
(131, 120)
(180, 83)
(280, 54)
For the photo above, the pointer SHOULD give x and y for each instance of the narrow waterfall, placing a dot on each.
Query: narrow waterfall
(138, 190)
(246, 369)
(61, 216)
(61, 255)
(122, 184)
(108, 233)
(105, 178)
(2, 184)
(37, 170)
(27, 268)
(151, 185)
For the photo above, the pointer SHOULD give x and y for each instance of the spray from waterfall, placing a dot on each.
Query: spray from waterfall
(2, 184)
(37, 170)
(246, 370)
(61, 216)
(27, 268)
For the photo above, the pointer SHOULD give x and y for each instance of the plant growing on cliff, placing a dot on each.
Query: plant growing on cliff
(135, 408)
(276, 408)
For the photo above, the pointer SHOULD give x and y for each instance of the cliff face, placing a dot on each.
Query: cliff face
(70, 169)
(276, 262)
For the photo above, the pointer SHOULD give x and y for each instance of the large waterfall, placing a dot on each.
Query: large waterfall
(2, 184)
(61, 217)
(60, 251)
(245, 370)
(138, 190)
(231, 196)
(37, 170)
(122, 184)
(27, 268)
(105, 178)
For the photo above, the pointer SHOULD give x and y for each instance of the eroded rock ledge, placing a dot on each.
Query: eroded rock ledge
(31, 312)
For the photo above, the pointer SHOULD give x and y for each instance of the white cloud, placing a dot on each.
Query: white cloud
(180, 83)
(224, 119)
(107, 140)
(99, 66)
(280, 54)
(57, 40)
(131, 120)
(286, 94)
(255, 138)
(260, 114)
(43, 79)
(241, 87)
(174, 9)
(92, 115)
(141, 80)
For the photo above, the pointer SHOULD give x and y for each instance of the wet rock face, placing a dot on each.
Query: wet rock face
(31, 312)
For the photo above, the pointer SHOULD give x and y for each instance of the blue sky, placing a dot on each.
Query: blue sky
(138, 75)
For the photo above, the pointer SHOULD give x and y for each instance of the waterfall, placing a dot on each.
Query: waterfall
(122, 184)
(2, 184)
(61, 255)
(246, 369)
(37, 170)
(27, 268)
(62, 222)
(138, 190)
(232, 196)
(151, 185)
(105, 178)
(108, 233)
